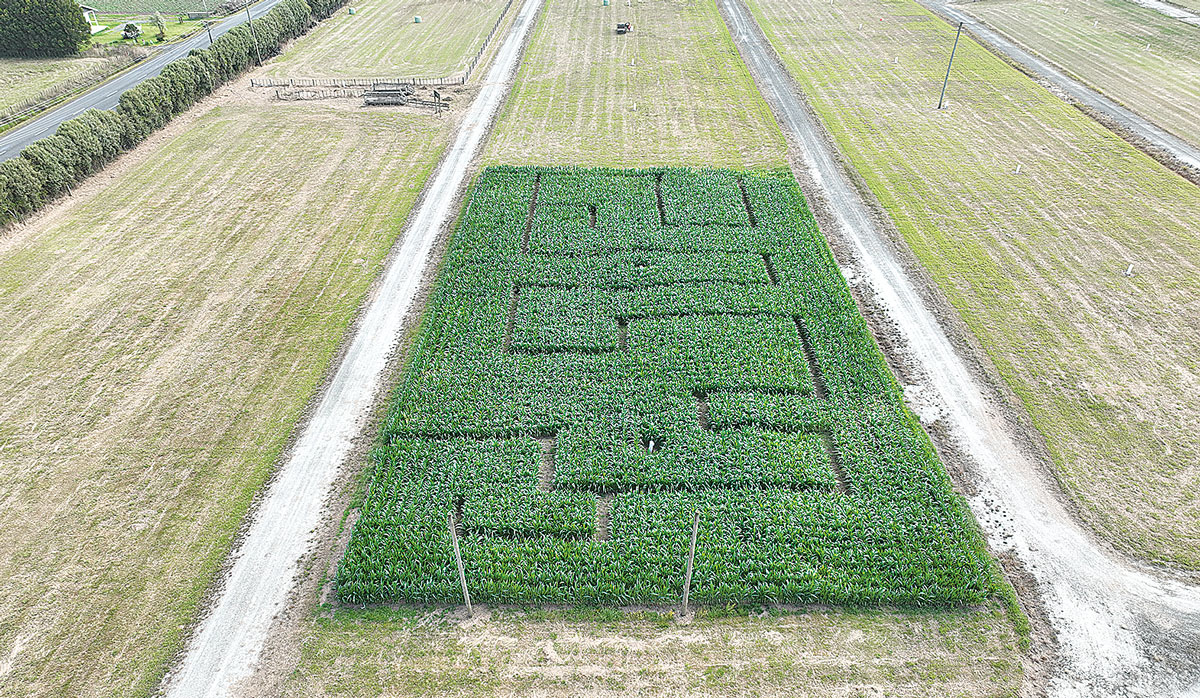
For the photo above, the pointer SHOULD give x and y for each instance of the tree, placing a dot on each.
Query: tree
(162, 27)
(41, 28)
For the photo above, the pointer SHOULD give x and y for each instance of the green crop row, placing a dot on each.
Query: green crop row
(684, 342)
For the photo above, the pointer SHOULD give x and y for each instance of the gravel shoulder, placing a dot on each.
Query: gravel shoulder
(229, 641)
(1117, 625)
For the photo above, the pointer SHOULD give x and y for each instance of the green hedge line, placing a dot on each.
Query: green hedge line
(47, 168)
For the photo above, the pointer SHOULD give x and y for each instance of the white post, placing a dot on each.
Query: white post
(687, 578)
(462, 575)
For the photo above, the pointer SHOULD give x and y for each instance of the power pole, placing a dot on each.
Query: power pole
(956, 35)
(208, 28)
(258, 53)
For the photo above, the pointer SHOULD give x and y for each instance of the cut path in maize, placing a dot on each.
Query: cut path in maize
(608, 352)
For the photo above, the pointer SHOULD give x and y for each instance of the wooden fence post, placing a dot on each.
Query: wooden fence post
(462, 575)
(687, 580)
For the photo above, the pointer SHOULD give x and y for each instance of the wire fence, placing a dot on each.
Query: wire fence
(486, 42)
(344, 83)
(63, 92)
(351, 82)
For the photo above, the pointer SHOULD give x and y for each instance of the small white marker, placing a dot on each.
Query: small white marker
(651, 449)
(1018, 170)
(1129, 271)
(896, 60)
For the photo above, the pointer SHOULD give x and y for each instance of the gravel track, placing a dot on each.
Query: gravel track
(1158, 141)
(1173, 11)
(229, 640)
(1121, 631)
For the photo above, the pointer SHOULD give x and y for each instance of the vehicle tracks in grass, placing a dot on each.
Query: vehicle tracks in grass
(1171, 150)
(230, 638)
(1121, 630)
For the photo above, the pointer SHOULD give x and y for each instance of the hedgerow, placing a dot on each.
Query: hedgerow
(49, 167)
(634, 347)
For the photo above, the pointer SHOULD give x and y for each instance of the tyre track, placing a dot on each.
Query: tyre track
(1121, 631)
(229, 641)
(1161, 144)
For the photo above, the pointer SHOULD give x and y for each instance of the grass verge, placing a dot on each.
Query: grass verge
(162, 333)
(1027, 214)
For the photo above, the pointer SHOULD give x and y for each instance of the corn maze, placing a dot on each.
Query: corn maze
(608, 352)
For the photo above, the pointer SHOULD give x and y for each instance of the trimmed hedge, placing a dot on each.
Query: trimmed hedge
(41, 28)
(47, 168)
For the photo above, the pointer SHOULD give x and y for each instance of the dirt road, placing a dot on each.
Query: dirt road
(1122, 631)
(1173, 11)
(229, 640)
(1159, 142)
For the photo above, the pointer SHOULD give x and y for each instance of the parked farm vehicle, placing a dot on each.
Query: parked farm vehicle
(624, 27)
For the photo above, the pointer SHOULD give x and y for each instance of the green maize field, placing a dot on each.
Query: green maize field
(609, 351)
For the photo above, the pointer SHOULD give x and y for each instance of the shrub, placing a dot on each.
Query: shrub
(40, 28)
(83, 144)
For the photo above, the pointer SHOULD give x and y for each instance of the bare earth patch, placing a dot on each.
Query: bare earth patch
(606, 653)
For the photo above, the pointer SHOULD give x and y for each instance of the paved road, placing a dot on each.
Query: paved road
(1122, 632)
(231, 638)
(106, 95)
(1183, 152)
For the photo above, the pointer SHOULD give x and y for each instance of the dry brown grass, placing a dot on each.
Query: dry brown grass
(159, 336)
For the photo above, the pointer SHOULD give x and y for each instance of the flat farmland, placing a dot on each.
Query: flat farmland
(673, 91)
(504, 423)
(606, 653)
(23, 79)
(612, 351)
(381, 40)
(162, 331)
(1033, 259)
(1141, 58)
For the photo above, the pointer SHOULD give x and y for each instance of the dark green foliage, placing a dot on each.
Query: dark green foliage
(84, 144)
(41, 28)
(635, 347)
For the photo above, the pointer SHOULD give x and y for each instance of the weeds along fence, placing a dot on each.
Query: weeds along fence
(486, 42)
(64, 91)
(350, 82)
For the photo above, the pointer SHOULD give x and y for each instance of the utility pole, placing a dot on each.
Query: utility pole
(258, 53)
(956, 35)
(208, 28)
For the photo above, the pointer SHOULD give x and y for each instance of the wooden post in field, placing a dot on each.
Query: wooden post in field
(952, 51)
(687, 577)
(253, 36)
(462, 575)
